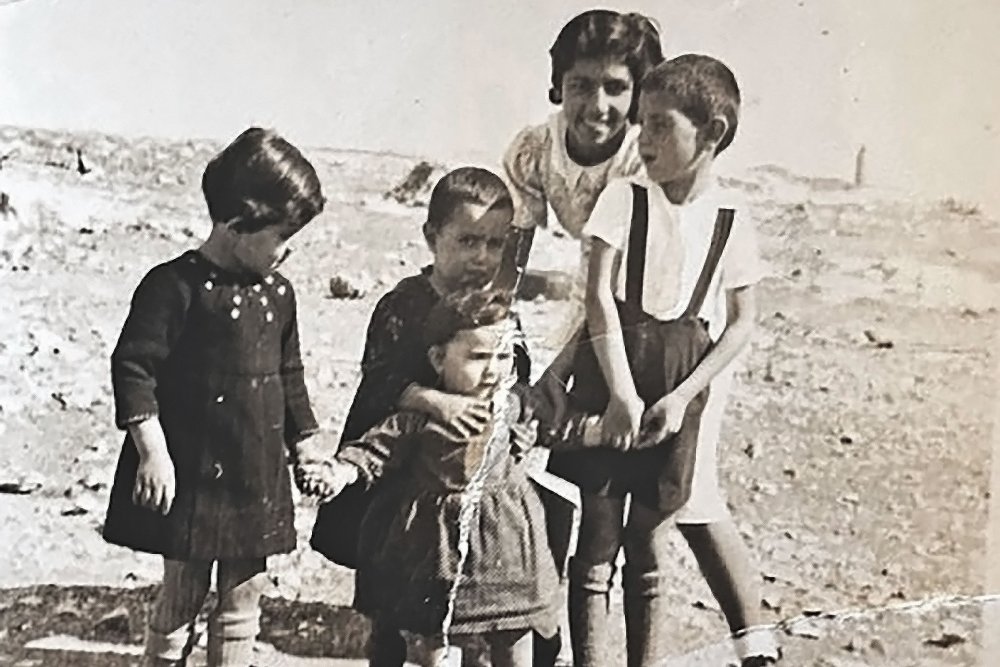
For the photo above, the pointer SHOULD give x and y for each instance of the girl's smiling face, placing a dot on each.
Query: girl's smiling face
(596, 97)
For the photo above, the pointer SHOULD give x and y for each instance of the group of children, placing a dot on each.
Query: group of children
(432, 495)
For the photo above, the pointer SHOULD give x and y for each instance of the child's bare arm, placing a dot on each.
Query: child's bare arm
(741, 316)
(460, 417)
(156, 318)
(622, 418)
(155, 482)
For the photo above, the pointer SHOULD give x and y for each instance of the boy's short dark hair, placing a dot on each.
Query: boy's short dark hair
(463, 310)
(705, 88)
(260, 180)
(465, 185)
(601, 33)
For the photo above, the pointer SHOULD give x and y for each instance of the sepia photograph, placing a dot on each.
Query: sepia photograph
(524, 334)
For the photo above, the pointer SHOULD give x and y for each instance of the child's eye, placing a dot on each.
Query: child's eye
(468, 242)
(615, 88)
(495, 244)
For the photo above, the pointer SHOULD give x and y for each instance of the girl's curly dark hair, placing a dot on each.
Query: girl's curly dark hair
(600, 33)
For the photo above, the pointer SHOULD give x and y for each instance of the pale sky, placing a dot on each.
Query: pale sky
(914, 80)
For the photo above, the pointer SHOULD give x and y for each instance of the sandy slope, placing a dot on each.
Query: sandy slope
(856, 450)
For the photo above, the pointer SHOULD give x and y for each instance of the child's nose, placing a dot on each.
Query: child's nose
(482, 252)
(491, 372)
(601, 100)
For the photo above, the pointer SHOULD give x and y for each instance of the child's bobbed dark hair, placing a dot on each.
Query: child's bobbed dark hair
(601, 33)
(464, 185)
(260, 180)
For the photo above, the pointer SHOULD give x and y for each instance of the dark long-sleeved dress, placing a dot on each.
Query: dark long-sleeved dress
(394, 357)
(215, 357)
(410, 562)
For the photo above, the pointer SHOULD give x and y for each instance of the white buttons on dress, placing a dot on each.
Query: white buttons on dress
(269, 316)
(209, 285)
(234, 313)
(220, 398)
(281, 290)
(269, 280)
(256, 288)
(263, 300)
(237, 299)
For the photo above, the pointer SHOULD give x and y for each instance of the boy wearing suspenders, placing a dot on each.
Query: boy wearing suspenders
(670, 304)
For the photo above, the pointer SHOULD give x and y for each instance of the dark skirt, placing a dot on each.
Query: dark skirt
(661, 355)
(409, 560)
(215, 514)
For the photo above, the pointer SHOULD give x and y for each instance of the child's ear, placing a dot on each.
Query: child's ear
(436, 356)
(428, 235)
(716, 130)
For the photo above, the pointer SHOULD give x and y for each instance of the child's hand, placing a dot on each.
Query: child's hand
(324, 480)
(663, 419)
(622, 420)
(458, 417)
(310, 477)
(155, 483)
(523, 436)
(340, 476)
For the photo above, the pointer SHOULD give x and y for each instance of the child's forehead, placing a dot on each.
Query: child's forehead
(658, 101)
(601, 66)
(497, 336)
(473, 217)
(660, 104)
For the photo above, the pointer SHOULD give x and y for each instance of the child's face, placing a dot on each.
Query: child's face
(260, 252)
(476, 361)
(469, 246)
(596, 94)
(669, 142)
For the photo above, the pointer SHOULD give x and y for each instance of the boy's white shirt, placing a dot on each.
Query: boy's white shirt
(682, 232)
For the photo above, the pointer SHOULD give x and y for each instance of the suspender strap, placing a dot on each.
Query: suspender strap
(723, 225)
(636, 264)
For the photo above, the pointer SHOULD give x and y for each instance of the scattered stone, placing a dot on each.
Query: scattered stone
(117, 622)
(946, 640)
(879, 343)
(343, 288)
(415, 189)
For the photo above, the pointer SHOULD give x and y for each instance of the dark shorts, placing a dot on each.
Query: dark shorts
(661, 355)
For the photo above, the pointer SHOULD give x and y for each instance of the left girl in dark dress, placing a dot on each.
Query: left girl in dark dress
(208, 386)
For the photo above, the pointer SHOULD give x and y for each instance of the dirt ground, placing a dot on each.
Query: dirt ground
(856, 448)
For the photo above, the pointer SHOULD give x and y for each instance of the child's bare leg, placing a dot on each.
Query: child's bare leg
(433, 653)
(734, 577)
(234, 624)
(171, 617)
(511, 649)
(591, 572)
(728, 568)
(644, 583)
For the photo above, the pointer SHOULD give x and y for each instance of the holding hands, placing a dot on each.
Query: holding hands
(663, 419)
(622, 420)
(319, 474)
(325, 480)
(628, 425)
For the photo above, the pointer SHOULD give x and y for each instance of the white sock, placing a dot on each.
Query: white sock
(757, 640)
